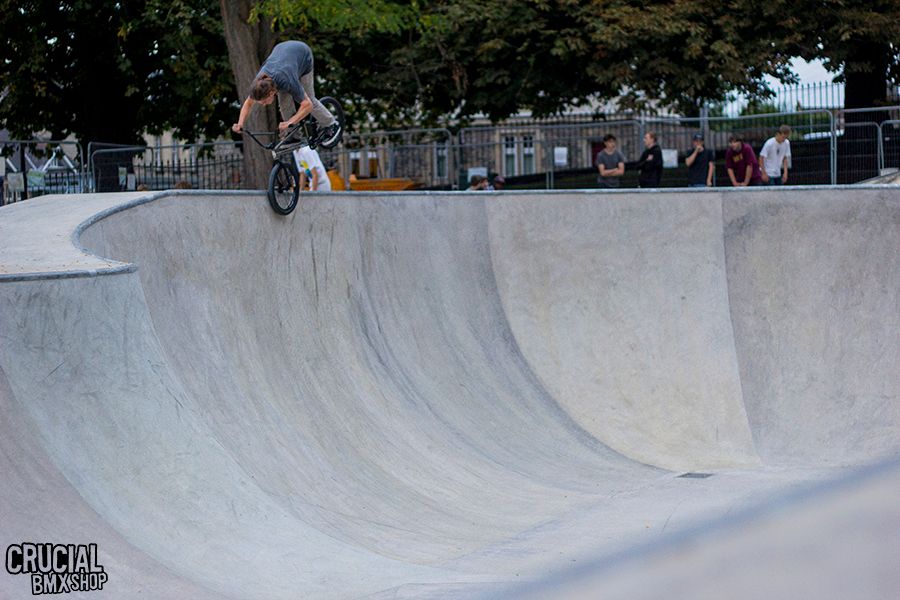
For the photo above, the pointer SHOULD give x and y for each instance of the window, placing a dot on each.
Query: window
(527, 154)
(509, 155)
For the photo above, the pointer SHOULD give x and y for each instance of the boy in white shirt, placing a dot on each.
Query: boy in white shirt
(311, 168)
(775, 157)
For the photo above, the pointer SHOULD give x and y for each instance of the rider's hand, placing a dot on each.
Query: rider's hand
(282, 127)
(236, 128)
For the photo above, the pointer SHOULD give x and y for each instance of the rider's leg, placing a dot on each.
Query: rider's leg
(323, 117)
(286, 105)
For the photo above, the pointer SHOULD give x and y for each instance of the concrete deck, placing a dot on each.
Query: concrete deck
(441, 395)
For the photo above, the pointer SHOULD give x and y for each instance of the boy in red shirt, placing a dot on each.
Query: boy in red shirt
(743, 168)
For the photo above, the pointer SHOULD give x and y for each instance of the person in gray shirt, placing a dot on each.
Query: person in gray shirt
(288, 74)
(610, 163)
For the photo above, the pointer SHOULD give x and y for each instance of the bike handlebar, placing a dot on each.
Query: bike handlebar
(276, 143)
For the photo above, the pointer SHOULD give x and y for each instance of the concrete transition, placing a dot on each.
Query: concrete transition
(456, 395)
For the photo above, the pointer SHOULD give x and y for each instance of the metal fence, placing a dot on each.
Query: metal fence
(424, 157)
(214, 166)
(828, 147)
(564, 156)
(30, 168)
(807, 96)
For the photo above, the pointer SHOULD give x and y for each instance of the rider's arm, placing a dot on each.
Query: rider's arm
(302, 111)
(245, 112)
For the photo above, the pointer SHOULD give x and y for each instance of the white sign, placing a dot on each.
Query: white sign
(561, 156)
(35, 179)
(481, 171)
(16, 183)
(670, 158)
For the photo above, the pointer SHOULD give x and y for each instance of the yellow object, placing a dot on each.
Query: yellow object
(383, 184)
(337, 182)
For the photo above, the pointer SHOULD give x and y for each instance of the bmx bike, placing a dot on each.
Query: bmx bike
(284, 178)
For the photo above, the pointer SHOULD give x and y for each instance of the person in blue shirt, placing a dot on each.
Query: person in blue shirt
(288, 74)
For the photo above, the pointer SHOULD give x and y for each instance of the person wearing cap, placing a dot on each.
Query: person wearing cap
(700, 164)
(498, 184)
(740, 161)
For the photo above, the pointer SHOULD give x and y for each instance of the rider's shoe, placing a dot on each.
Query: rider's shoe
(329, 135)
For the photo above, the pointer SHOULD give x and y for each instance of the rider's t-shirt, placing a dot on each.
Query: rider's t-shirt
(289, 62)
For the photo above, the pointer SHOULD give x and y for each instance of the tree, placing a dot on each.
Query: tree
(858, 40)
(496, 57)
(249, 41)
(108, 71)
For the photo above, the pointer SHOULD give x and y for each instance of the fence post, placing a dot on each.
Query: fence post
(550, 165)
(880, 148)
(704, 121)
(24, 170)
(833, 148)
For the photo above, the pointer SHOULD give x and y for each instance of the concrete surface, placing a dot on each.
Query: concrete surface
(444, 395)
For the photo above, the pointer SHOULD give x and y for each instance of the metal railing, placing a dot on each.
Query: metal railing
(828, 147)
(30, 168)
(212, 165)
(565, 155)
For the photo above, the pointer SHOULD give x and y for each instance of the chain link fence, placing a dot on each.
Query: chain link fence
(828, 147)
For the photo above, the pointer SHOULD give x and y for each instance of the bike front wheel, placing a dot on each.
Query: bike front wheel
(284, 188)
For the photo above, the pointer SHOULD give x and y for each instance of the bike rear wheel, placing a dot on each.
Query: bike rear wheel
(284, 187)
(334, 107)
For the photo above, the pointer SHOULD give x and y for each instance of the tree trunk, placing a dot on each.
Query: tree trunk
(865, 74)
(248, 45)
(866, 85)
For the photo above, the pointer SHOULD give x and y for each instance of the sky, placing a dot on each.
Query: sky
(809, 72)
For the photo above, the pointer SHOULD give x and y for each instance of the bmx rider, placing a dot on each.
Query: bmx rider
(288, 74)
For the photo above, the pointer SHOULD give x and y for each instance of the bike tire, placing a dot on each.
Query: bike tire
(284, 188)
(334, 107)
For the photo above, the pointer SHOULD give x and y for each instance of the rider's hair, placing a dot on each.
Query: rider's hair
(262, 87)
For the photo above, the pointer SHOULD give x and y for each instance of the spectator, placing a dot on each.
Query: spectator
(312, 170)
(610, 163)
(700, 164)
(477, 183)
(183, 185)
(650, 163)
(740, 160)
(775, 157)
(499, 183)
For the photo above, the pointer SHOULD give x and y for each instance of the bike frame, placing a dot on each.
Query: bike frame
(285, 145)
